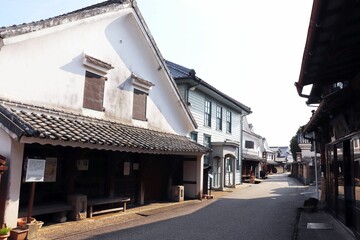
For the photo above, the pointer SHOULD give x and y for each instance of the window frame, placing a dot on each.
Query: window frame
(194, 136)
(249, 144)
(94, 91)
(219, 117)
(207, 113)
(228, 121)
(141, 91)
(139, 105)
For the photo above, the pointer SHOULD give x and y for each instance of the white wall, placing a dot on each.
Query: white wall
(193, 172)
(197, 100)
(306, 152)
(257, 144)
(13, 151)
(45, 68)
(249, 135)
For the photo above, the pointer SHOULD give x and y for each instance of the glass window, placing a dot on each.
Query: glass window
(207, 113)
(218, 118)
(249, 144)
(216, 172)
(194, 136)
(340, 169)
(228, 121)
(340, 178)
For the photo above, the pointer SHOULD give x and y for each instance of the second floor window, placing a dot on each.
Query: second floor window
(207, 113)
(194, 136)
(94, 91)
(228, 122)
(94, 86)
(249, 144)
(218, 118)
(140, 96)
(139, 105)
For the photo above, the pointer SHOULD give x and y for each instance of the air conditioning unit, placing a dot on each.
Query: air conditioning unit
(177, 193)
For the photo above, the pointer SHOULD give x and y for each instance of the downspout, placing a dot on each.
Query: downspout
(240, 151)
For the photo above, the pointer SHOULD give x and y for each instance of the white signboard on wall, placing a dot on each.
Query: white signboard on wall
(35, 170)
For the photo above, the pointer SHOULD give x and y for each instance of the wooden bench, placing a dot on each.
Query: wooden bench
(104, 201)
(46, 209)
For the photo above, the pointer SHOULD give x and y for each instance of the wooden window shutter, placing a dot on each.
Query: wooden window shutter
(139, 105)
(94, 91)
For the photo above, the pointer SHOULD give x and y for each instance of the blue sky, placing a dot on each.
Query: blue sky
(250, 50)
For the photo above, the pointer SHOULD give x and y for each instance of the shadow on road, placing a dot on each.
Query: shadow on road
(235, 215)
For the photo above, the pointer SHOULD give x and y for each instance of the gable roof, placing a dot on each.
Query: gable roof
(331, 60)
(179, 73)
(44, 125)
(283, 152)
(94, 10)
(90, 11)
(331, 52)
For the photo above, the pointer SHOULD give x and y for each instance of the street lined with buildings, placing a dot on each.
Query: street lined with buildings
(105, 122)
(253, 211)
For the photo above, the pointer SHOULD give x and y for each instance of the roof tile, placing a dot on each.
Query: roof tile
(44, 123)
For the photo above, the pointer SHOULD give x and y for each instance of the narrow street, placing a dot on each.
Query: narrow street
(261, 211)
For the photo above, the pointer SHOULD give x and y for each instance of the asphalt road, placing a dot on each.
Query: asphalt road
(262, 211)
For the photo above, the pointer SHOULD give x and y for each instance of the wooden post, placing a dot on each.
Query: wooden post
(31, 202)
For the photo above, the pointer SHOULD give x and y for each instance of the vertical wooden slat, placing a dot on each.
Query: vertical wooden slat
(94, 91)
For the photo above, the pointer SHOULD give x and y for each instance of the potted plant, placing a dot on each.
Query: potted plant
(18, 233)
(4, 232)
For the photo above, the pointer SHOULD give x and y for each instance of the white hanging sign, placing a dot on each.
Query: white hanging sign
(35, 170)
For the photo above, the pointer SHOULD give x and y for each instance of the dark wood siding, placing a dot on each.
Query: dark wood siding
(139, 105)
(94, 91)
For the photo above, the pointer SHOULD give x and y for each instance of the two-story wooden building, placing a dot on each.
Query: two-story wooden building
(330, 68)
(88, 108)
(253, 159)
(219, 119)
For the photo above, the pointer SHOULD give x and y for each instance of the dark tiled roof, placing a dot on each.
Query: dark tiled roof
(43, 123)
(93, 10)
(250, 157)
(179, 72)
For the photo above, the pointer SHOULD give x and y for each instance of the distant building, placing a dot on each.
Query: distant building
(269, 156)
(303, 167)
(253, 152)
(283, 156)
(220, 119)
